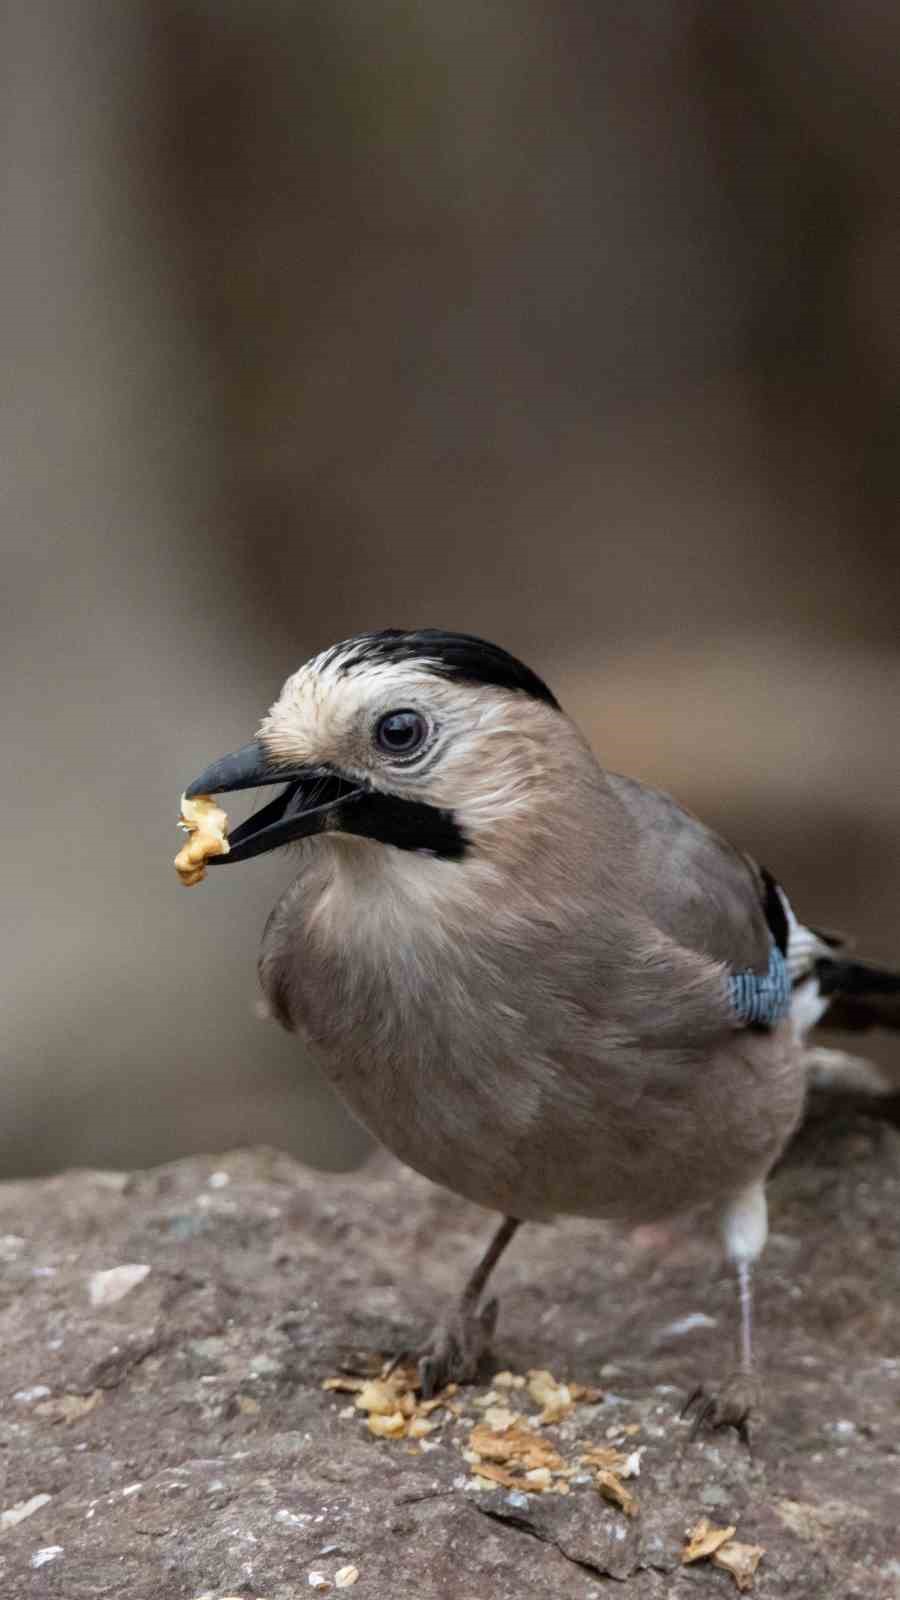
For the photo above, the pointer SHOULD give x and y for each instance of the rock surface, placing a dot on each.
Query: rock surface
(175, 1440)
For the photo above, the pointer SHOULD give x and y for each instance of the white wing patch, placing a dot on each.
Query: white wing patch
(833, 1070)
(804, 949)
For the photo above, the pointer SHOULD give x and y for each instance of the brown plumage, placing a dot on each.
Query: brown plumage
(528, 999)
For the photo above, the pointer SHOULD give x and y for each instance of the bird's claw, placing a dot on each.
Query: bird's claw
(730, 1406)
(458, 1349)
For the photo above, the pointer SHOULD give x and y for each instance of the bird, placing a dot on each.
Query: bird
(547, 987)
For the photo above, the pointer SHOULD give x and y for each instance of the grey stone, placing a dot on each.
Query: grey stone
(243, 1477)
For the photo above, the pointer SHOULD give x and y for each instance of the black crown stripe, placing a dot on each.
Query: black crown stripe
(459, 656)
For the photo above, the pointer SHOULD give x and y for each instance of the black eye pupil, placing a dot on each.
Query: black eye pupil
(400, 732)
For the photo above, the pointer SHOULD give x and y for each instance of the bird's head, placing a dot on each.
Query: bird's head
(425, 741)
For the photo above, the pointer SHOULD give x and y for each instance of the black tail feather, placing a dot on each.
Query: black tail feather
(861, 996)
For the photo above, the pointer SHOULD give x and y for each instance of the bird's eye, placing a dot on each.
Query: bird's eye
(399, 733)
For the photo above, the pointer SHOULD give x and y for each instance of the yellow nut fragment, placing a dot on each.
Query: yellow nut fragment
(499, 1417)
(387, 1427)
(518, 1445)
(741, 1560)
(556, 1398)
(703, 1539)
(705, 1542)
(538, 1478)
(604, 1457)
(379, 1396)
(420, 1427)
(613, 1489)
(207, 825)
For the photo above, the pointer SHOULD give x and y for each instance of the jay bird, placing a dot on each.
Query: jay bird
(545, 986)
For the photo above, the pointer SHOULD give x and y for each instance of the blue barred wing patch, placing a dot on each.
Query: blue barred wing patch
(762, 996)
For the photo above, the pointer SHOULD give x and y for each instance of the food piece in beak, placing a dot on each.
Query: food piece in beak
(311, 800)
(207, 825)
(315, 800)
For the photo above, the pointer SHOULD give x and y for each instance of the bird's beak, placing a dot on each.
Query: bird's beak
(313, 800)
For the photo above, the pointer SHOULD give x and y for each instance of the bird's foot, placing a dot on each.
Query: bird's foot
(731, 1405)
(458, 1349)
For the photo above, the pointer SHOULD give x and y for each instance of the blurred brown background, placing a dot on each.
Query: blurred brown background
(572, 325)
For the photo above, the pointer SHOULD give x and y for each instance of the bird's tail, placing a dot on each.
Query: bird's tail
(833, 991)
(860, 995)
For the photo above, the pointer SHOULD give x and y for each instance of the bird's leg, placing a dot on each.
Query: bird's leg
(731, 1404)
(745, 1290)
(457, 1348)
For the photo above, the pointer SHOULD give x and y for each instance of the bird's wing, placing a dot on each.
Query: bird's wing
(699, 889)
(711, 898)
